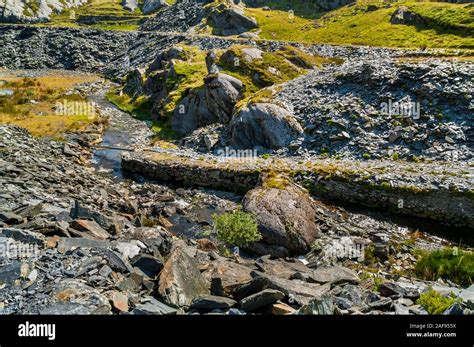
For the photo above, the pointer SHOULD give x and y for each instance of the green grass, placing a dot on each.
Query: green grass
(41, 118)
(289, 62)
(274, 179)
(435, 303)
(450, 25)
(163, 131)
(100, 8)
(237, 228)
(448, 263)
(140, 107)
(190, 74)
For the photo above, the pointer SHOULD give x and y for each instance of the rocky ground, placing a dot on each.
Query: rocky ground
(342, 108)
(77, 242)
(79, 235)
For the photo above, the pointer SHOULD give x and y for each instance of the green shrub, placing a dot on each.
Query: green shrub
(435, 303)
(237, 228)
(449, 263)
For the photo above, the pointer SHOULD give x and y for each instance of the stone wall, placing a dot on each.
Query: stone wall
(191, 173)
(432, 201)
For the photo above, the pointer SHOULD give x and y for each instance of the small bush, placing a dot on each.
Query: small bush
(435, 303)
(237, 228)
(449, 263)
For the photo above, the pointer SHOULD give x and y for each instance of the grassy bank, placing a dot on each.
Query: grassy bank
(35, 101)
(368, 23)
(101, 10)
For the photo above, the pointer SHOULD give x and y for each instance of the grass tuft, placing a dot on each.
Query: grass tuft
(449, 263)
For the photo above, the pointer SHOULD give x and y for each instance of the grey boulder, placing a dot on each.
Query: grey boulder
(150, 6)
(222, 93)
(180, 280)
(263, 124)
(286, 217)
(192, 113)
(227, 21)
(130, 5)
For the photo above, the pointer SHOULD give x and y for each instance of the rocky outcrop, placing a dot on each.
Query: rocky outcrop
(222, 93)
(263, 124)
(130, 5)
(286, 219)
(134, 84)
(192, 113)
(227, 21)
(403, 15)
(22, 11)
(150, 6)
(180, 280)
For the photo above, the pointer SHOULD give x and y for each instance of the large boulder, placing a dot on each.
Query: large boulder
(192, 113)
(130, 5)
(286, 219)
(403, 15)
(180, 280)
(150, 6)
(24, 11)
(164, 57)
(222, 93)
(133, 84)
(227, 21)
(263, 124)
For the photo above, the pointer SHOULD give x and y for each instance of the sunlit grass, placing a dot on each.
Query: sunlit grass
(33, 102)
(451, 25)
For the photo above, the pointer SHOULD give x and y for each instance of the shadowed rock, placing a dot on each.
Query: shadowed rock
(263, 124)
(180, 280)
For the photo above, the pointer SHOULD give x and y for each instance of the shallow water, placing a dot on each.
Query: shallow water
(4, 92)
(111, 159)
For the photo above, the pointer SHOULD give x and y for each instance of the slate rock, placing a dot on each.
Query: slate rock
(334, 274)
(391, 289)
(322, 305)
(151, 306)
(260, 300)
(149, 265)
(10, 272)
(212, 302)
(180, 280)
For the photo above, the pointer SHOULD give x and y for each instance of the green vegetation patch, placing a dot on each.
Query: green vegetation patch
(449, 263)
(435, 303)
(273, 68)
(187, 74)
(35, 101)
(237, 228)
(140, 107)
(101, 14)
(446, 25)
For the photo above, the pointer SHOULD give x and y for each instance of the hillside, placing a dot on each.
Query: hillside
(255, 157)
(369, 23)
